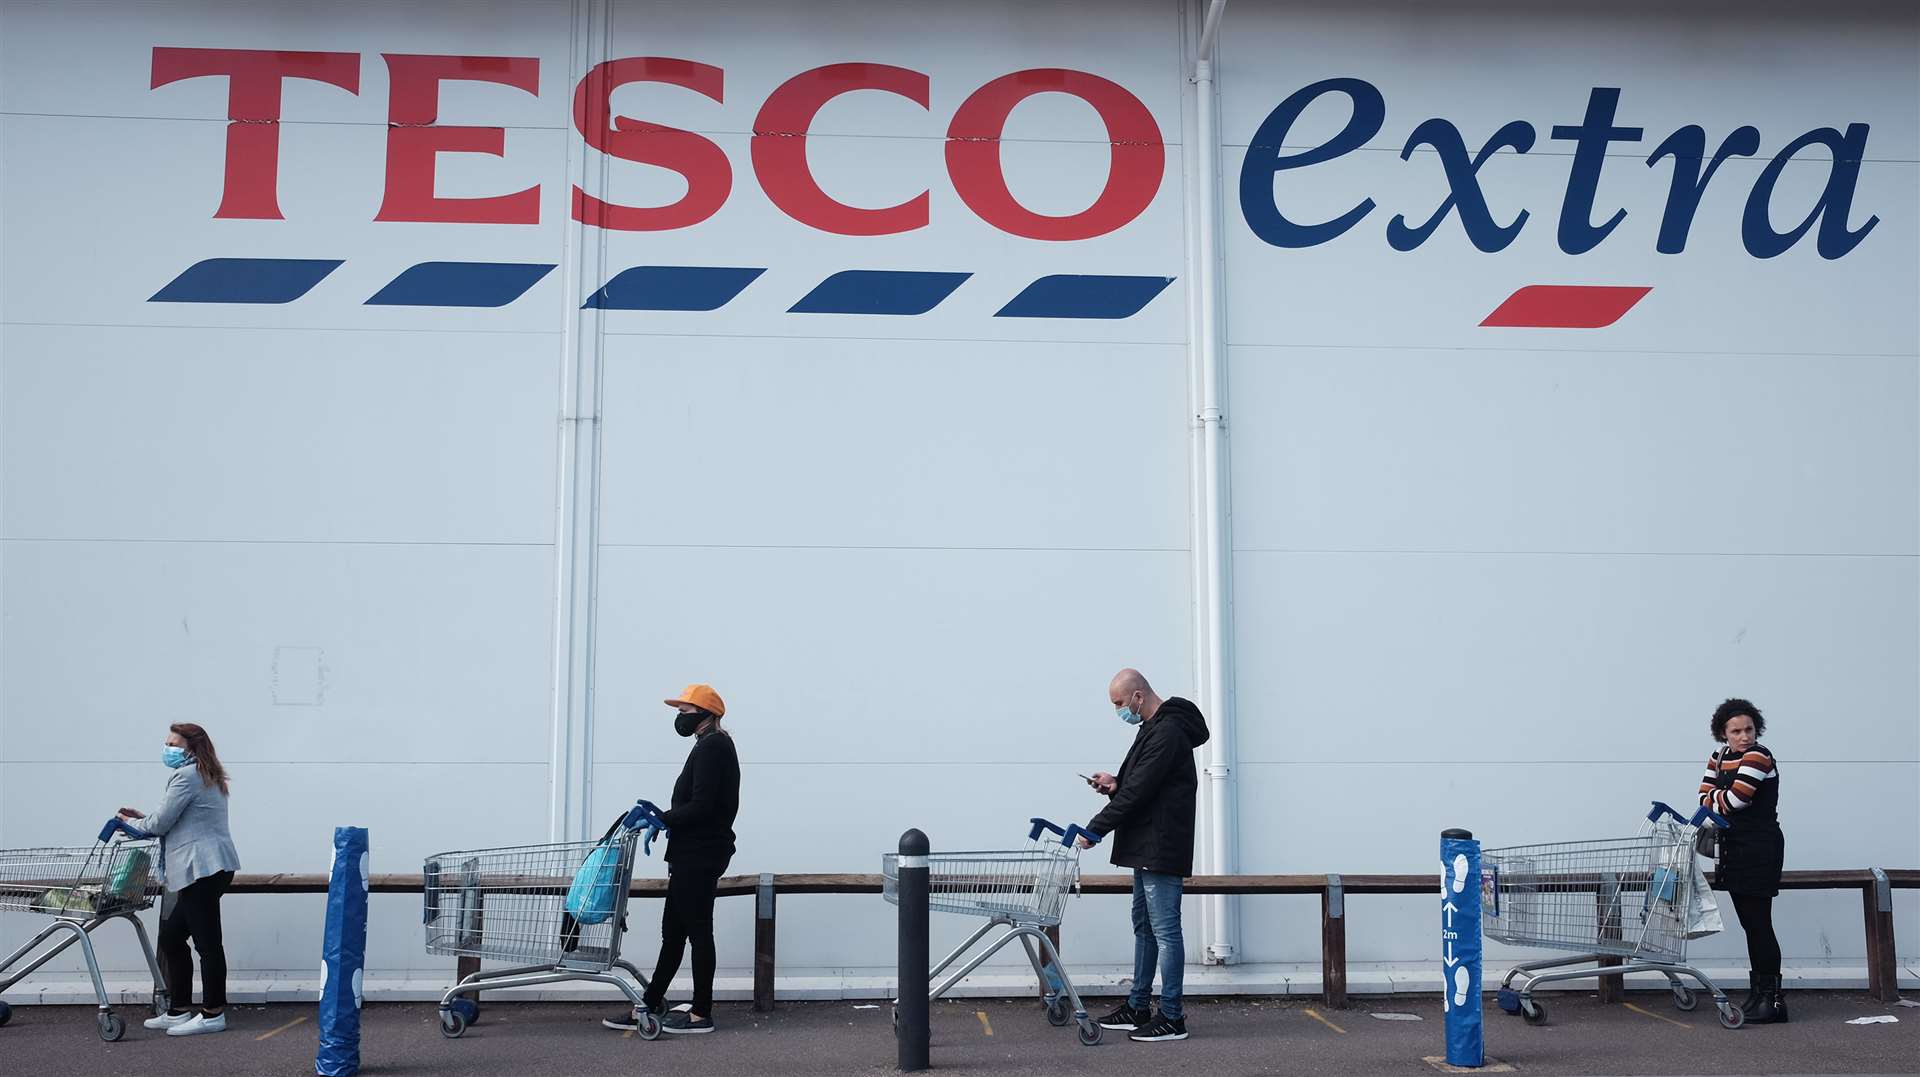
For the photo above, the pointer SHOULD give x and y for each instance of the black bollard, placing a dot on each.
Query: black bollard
(913, 1014)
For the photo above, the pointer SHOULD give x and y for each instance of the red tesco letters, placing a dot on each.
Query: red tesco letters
(778, 145)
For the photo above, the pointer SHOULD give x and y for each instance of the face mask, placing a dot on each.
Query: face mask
(1128, 715)
(685, 724)
(174, 756)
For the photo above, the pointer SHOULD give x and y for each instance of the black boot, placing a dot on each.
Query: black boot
(1755, 989)
(1772, 1007)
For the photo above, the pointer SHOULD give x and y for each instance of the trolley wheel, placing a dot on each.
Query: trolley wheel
(466, 1008)
(649, 1027)
(161, 1001)
(1684, 998)
(453, 1024)
(1059, 1012)
(6, 1013)
(1534, 1013)
(1089, 1033)
(1730, 1016)
(111, 1027)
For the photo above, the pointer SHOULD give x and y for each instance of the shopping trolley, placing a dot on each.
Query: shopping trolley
(557, 911)
(1622, 904)
(83, 888)
(1023, 890)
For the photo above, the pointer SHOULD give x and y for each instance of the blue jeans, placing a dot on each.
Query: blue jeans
(1156, 937)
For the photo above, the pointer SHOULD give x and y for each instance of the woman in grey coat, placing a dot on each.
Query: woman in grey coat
(197, 862)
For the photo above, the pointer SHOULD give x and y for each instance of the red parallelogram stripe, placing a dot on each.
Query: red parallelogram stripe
(1565, 306)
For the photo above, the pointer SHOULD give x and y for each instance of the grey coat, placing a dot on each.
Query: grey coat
(191, 822)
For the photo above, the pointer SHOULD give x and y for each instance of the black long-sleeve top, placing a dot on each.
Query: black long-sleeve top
(706, 798)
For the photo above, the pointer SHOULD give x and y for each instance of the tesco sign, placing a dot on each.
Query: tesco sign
(1136, 166)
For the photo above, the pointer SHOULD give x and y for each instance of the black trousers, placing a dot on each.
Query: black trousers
(687, 917)
(1756, 919)
(195, 915)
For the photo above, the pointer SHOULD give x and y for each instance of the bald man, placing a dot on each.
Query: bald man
(1150, 815)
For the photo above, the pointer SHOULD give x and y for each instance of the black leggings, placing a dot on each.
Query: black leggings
(1756, 919)
(196, 914)
(687, 917)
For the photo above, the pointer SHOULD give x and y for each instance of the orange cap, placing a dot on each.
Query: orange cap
(702, 696)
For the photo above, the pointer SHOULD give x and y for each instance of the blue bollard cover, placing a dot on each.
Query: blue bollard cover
(1460, 950)
(343, 954)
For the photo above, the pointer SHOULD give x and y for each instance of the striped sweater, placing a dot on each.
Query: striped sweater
(1733, 783)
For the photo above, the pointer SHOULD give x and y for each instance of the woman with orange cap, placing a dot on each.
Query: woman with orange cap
(699, 846)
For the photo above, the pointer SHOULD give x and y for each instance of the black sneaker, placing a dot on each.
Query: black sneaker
(623, 1023)
(684, 1023)
(1127, 1019)
(1162, 1030)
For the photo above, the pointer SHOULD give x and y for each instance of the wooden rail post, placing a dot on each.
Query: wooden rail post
(467, 965)
(1606, 916)
(1883, 972)
(763, 936)
(1333, 944)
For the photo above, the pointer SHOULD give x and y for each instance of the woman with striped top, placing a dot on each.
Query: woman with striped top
(1743, 784)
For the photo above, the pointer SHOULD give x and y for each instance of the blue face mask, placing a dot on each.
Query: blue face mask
(175, 756)
(1128, 715)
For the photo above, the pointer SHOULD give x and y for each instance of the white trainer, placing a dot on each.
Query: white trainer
(167, 1020)
(200, 1023)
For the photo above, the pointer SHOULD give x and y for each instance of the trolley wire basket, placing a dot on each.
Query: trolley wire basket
(1025, 886)
(1022, 890)
(1621, 905)
(557, 911)
(81, 888)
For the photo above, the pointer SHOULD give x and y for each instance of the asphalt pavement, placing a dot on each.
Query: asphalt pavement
(1006, 1038)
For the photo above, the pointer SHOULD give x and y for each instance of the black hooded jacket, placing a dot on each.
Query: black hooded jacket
(1150, 815)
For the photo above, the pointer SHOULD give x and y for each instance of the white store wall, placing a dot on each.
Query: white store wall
(911, 549)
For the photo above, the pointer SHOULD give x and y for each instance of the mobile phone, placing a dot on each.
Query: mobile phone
(1084, 778)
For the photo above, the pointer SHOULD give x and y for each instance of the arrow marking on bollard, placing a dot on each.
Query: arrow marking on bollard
(1451, 962)
(1450, 908)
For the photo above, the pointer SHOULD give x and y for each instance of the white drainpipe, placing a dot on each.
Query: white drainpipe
(1221, 925)
(577, 506)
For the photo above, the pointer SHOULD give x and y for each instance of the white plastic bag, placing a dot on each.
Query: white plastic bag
(1703, 910)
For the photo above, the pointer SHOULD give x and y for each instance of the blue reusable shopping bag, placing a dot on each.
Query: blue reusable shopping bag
(596, 884)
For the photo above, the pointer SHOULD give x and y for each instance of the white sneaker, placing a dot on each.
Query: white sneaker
(198, 1024)
(167, 1021)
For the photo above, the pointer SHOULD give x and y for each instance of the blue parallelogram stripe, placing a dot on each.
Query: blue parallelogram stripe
(1066, 295)
(460, 284)
(246, 280)
(672, 288)
(874, 291)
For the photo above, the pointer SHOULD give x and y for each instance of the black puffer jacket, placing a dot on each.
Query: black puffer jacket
(1151, 812)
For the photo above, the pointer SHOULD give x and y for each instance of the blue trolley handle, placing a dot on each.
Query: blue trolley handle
(1039, 825)
(1704, 815)
(1070, 832)
(645, 815)
(1074, 830)
(121, 826)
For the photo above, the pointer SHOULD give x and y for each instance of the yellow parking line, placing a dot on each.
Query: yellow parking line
(1315, 1014)
(290, 1024)
(1655, 1016)
(988, 1025)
